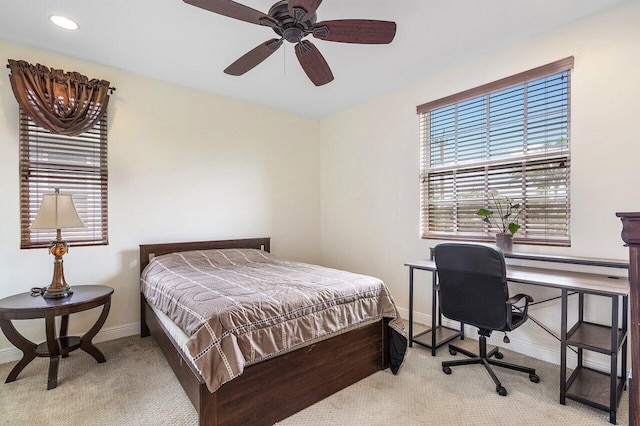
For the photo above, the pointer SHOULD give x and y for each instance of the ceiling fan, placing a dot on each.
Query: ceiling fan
(293, 20)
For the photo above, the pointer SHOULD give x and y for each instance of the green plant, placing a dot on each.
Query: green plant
(508, 211)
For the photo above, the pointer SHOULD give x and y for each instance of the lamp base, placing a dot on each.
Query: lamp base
(57, 293)
(59, 287)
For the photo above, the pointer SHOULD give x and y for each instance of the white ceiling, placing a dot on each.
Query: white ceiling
(175, 42)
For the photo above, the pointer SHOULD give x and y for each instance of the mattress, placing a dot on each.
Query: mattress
(178, 336)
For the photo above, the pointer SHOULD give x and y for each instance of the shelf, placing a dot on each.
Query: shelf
(443, 335)
(588, 386)
(594, 337)
(592, 387)
(65, 345)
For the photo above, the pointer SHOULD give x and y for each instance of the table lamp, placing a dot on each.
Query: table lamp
(58, 212)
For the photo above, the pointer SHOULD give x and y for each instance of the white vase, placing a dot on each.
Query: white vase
(504, 240)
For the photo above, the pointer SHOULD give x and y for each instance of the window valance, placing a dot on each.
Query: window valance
(66, 103)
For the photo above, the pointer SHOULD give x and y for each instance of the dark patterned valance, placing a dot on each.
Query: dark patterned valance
(67, 103)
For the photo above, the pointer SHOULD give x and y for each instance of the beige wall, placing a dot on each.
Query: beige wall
(369, 169)
(183, 165)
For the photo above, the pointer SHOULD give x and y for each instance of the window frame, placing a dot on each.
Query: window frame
(559, 158)
(36, 180)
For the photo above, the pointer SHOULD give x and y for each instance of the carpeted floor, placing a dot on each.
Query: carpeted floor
(137, 387)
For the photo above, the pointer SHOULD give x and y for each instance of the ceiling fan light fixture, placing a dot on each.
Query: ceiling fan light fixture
(64, 22)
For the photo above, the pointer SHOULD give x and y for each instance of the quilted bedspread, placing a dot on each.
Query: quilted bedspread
(242, 306)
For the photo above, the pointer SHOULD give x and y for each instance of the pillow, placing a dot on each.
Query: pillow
(216, 257)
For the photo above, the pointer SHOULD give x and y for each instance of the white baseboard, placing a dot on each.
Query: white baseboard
(13, 354)
(542, 352)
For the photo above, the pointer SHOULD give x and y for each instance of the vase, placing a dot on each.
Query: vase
(504, 240)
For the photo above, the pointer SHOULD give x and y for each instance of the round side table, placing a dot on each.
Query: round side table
(24, 306)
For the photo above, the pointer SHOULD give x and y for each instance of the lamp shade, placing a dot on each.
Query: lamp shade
(57, 211)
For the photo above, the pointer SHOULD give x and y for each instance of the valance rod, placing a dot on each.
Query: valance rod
(111, 89)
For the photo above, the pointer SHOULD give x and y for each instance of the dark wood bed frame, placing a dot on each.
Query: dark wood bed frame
(276, 388)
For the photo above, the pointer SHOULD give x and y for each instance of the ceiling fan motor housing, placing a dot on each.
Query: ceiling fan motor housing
(288, 27)
(293, 34)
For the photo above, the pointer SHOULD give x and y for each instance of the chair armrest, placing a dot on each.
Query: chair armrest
(512, 301)
(515, 299)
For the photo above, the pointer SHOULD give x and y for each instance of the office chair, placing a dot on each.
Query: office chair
(473, 290)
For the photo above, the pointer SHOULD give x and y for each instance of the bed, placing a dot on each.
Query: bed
(273, 387)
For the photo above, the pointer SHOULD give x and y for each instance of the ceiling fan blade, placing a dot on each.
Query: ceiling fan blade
(254, 57)
(233, 10)
(360, 31)
(313, 63)
(305, 9)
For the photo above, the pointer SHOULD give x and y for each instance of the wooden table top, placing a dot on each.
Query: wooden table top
(25, 306)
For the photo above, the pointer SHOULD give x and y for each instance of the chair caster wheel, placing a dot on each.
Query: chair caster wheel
(534, 378)
(447, 370)
(452, 351)
(501, 391)
(499, 355)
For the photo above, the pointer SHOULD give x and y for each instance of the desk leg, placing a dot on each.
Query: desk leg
(54, 352)
(410, 306)
(580, 320)
(563, 348)
(85, 342)
(613, 390)
(27, 347)
(434, 313)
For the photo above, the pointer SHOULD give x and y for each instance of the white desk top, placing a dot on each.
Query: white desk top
(573, 281)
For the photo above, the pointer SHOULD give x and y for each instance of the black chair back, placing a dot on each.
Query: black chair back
(473, 284)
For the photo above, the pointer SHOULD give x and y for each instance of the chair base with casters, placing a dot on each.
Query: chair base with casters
(485, 359)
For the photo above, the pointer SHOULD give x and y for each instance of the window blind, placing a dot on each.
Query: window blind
(75, 164)
(513, 139)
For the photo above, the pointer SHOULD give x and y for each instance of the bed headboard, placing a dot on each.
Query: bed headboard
(148, 251)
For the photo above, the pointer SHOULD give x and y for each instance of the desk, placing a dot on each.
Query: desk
(582, 335)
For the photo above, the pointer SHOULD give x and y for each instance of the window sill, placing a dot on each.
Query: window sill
(492, 240)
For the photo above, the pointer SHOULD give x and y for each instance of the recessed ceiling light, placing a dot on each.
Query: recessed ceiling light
(64, 22)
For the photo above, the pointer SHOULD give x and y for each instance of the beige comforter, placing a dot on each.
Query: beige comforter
(243, 306)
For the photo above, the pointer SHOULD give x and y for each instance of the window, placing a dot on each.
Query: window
(511, 136)
(75, 164)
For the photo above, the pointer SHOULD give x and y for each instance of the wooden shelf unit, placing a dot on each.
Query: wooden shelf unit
(586, 385)
(595, 388)
(443, 335)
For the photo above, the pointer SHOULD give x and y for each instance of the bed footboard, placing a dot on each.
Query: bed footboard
(275, 389)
